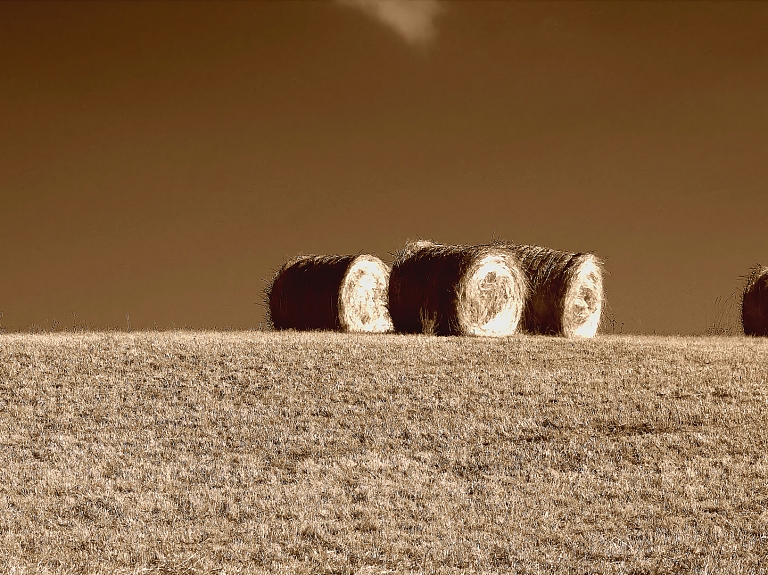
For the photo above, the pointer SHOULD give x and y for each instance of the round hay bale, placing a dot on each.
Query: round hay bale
(344, 293)
(754, 303)
(456, 290)
(566, 291)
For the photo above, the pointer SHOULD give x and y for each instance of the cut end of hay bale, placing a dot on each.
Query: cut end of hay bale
(344, 293)
(456, 290)
(583, 302)
(489, 301)
(754, 304)
(363, 296)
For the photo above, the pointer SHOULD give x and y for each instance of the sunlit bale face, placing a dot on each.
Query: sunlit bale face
(583, 302)
(490, 301)
(363, 296)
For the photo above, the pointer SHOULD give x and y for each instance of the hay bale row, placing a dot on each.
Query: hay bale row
(456, 290)
(754, 302)
(566, 291)
(486, 290)
(343, 293)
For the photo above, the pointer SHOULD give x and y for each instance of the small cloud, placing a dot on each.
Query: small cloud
(414, 20)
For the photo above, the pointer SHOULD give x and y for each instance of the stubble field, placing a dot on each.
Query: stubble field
(260, 452)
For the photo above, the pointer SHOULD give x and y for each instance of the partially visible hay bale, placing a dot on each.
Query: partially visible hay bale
(345, 293)
(754, 303)
(566, 291)
(456, 290)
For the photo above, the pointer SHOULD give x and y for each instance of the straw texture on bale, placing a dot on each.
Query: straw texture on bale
(566, 291)
(456, 290)
(754, 303)
(344, 293)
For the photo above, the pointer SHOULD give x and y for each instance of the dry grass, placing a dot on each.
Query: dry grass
(364, 295)
(336, 453)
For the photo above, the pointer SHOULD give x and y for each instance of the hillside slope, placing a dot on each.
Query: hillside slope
(191, 452)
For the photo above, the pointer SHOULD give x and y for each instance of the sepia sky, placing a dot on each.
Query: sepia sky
(161, 160)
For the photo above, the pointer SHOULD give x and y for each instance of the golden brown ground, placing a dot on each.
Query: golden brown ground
(192, 452)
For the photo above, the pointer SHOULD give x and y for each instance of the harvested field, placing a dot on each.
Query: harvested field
(205, 452)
